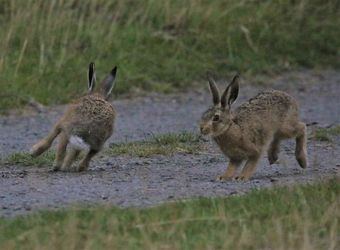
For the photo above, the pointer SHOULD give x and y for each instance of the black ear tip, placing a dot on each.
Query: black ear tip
(211, 79)
(91, 65)
(114, 70)
(236, 77)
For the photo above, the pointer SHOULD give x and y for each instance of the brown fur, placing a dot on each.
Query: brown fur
(269, 117)
(90, 118)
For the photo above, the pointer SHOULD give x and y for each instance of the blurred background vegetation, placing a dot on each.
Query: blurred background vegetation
(45, 46)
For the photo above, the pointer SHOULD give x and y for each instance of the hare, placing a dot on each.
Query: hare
(242, 135)
(86, 124)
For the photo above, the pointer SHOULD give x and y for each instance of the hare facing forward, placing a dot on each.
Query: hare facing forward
(242, 135)
(86, 125)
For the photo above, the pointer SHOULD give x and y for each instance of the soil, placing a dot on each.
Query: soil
(131, 181)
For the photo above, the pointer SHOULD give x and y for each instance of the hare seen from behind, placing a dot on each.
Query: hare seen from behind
(86, 125)
(242, 135)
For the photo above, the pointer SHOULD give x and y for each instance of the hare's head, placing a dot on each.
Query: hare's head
(218, 117)
(106, 85)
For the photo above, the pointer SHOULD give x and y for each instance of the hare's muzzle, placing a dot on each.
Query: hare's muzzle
(204, 130)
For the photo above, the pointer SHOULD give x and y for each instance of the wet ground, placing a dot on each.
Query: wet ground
(132, 181)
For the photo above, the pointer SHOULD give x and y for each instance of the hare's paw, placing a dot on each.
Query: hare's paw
(56, 168)
(272, 158)
(82, 167)
(302, 160)
(223, 178)
(38, 148)
(69, 169)
(241, 178)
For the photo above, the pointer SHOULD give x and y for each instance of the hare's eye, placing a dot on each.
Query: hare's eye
(216, 118)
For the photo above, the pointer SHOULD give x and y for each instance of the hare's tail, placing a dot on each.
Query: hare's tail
(45, 143)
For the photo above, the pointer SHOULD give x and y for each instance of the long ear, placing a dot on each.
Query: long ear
(214, 91)
(91, 77)
(231, 92)
(108, 83)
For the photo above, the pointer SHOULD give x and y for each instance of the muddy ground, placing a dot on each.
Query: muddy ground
(132, 181)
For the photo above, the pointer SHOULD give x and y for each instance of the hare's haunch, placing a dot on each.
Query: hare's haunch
(242, 135)
(86, 125)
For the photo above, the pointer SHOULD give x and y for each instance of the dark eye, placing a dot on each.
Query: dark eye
(216, 118)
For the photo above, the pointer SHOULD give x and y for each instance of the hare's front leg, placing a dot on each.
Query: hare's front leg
(61, 150)
(230, 171)
(248, 169)
(85, 162)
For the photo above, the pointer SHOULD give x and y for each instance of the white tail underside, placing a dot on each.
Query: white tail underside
(79, 143)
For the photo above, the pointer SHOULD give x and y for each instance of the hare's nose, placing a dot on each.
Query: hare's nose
(204, 130)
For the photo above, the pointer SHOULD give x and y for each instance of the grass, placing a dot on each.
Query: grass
(166, 144)
(158, 45)
(299, 217)
(326, 134)
(25, 159)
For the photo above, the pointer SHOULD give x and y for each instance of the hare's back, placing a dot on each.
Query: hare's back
(91, 118)
(268, 105)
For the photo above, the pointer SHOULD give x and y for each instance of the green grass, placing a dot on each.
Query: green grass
(326, 134)
(158, 45)
(166, 144)
(300, 217)
(25, 159)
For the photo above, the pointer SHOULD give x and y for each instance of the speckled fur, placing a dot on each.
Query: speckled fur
(91, 118)
(88, 121)
(242, 135)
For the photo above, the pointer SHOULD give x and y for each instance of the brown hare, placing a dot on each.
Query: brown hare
(242, 135)
(86, 125)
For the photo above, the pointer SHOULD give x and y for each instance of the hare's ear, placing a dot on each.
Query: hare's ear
(108, 83)
(214, 91)
(91, 77)
(231, 92)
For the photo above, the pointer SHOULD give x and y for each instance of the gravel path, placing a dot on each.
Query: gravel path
(127, 181)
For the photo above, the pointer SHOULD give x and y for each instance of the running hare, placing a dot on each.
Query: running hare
(269, 117)
(86, 125)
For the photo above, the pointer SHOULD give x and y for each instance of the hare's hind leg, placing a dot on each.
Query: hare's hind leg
(297, 130)
(71, 155)
(44, 144)
(61, 150)
(273, 149)
(85, 162)
(301, 145)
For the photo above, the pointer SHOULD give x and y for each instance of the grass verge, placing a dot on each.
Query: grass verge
(299, 217)
(166, 144)
(158, 45)
(326, 134)
(25, 159)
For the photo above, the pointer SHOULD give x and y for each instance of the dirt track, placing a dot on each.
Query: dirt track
(127, 181)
